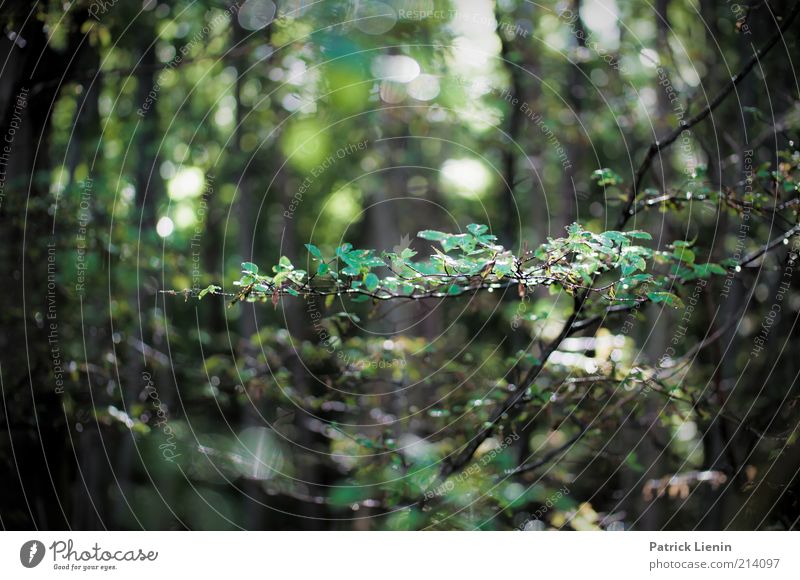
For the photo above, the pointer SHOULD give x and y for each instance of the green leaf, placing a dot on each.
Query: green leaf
(212, 289)
(322, 269)
(433, 235)
(716, 269)
(706, 270)
(477, 229)
(454, 290)
(463, 241)
(351, 271)
(314, 251)
(343, 250)
(631, 263)
(639, 235)
(637, 278)
(280, 277)
(684, 255)
(666, 297)
(371, 281)
(249, 268)
(503, 268)
(617, 237)
(605, 177)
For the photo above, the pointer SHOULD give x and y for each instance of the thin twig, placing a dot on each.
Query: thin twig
(550, 455)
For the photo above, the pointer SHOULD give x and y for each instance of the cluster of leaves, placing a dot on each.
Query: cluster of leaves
(781, 178)
(473, 261)
(767, 189)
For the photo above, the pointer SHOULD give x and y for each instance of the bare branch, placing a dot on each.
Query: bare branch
(773, 244)
(550, 455)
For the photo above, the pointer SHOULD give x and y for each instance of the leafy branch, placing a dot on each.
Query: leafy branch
(473, 261)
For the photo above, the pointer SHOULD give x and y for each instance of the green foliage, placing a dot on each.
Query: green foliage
(605, 177)
(473, 261)
(255, 141)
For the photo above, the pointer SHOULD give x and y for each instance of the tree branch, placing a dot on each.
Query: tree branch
(550, 455)
(511, 405)
(773, 244)
(660, 144)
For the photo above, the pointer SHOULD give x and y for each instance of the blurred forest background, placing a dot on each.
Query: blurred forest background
(152, 146)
